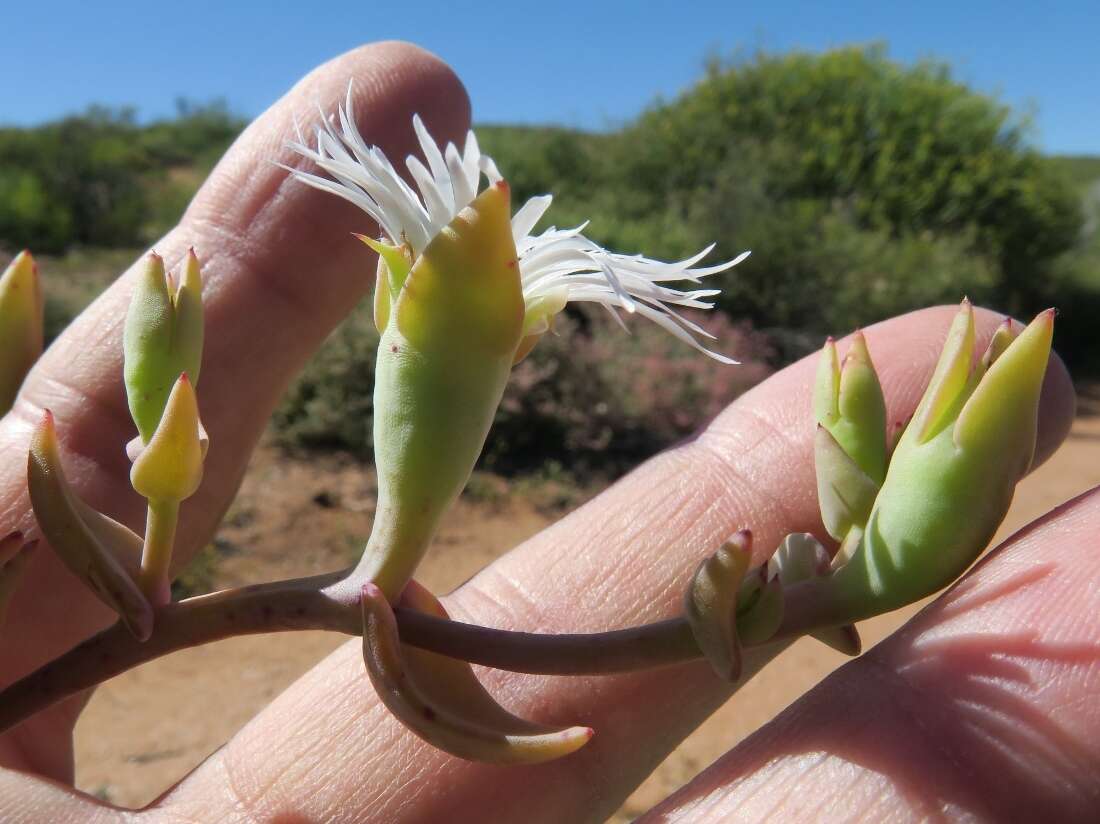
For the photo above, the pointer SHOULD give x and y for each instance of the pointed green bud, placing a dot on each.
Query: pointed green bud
(443, 361)
(850, 448)
(394, 263)
(20, 325)
(848, 403)
(799, 557)
(1005, 334)
(953, 473)
(945, 392)
(827, 386)
(162, 339)
(539, 317)
(170, 466)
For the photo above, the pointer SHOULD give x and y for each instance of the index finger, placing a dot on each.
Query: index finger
(280, 271)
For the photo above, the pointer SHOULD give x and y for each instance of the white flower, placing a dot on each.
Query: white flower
(556, 266)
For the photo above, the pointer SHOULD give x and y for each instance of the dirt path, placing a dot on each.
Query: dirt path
(144, 730)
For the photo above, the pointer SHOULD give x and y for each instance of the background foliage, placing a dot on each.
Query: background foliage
(864, 187)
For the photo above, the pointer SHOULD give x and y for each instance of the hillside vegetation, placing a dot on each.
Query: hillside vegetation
(864, 187)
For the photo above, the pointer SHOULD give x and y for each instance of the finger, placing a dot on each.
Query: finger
(982, 707)
(281, 270)
(327, 750)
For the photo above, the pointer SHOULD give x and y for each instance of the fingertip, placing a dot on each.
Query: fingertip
(1057, 409)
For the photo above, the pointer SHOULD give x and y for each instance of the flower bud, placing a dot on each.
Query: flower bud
(394, 263)
(953, 473)
(444, 357)
(848, 403)
(20, 325)
(170, 466)
(162, 339)
(801, 557)
(850, 453)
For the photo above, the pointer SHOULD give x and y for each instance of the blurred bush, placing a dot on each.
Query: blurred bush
(99, 179)
(590, 397)
(864, 187)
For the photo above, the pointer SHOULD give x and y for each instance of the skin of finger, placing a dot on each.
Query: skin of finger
(281, 269)
(327, 751)
(983, 707)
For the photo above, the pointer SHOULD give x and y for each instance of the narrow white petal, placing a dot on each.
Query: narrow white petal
(471, 155)
(433, 156)
(529, 214)
(463, 191)
(489, 169)
(433, 197)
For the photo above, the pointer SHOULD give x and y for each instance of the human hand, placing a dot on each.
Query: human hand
(281, 271)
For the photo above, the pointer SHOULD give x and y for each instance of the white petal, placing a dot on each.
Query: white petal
(529, 214)
(463, 191)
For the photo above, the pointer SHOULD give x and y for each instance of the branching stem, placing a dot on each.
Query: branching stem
(331, 602)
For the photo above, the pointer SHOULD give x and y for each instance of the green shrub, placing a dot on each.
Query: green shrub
(590, 397)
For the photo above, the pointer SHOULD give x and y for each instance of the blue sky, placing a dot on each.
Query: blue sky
(568, 62)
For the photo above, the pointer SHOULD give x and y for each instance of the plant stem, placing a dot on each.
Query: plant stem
(156, 555)
(282, 606)
(331, 602)
(624, 650)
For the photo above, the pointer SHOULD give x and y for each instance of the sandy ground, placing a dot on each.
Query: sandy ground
(147, 728)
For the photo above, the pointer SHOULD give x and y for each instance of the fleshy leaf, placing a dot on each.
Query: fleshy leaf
(488, 738)
(844, 492)
(986, 421)
(20, 325)
(710, 605)
(861, 427)
(827, 385)
(941, 398)
(450, 684)
(844, 639)
(63, 521)
(1005, 334)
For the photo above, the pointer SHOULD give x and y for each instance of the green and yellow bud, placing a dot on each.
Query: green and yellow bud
(20, 325)
(170, 466)
(850, 449)
(848, 403)
(539, 317)
(394, 263)
(449, 337)
(163, 338)
(953, 473)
